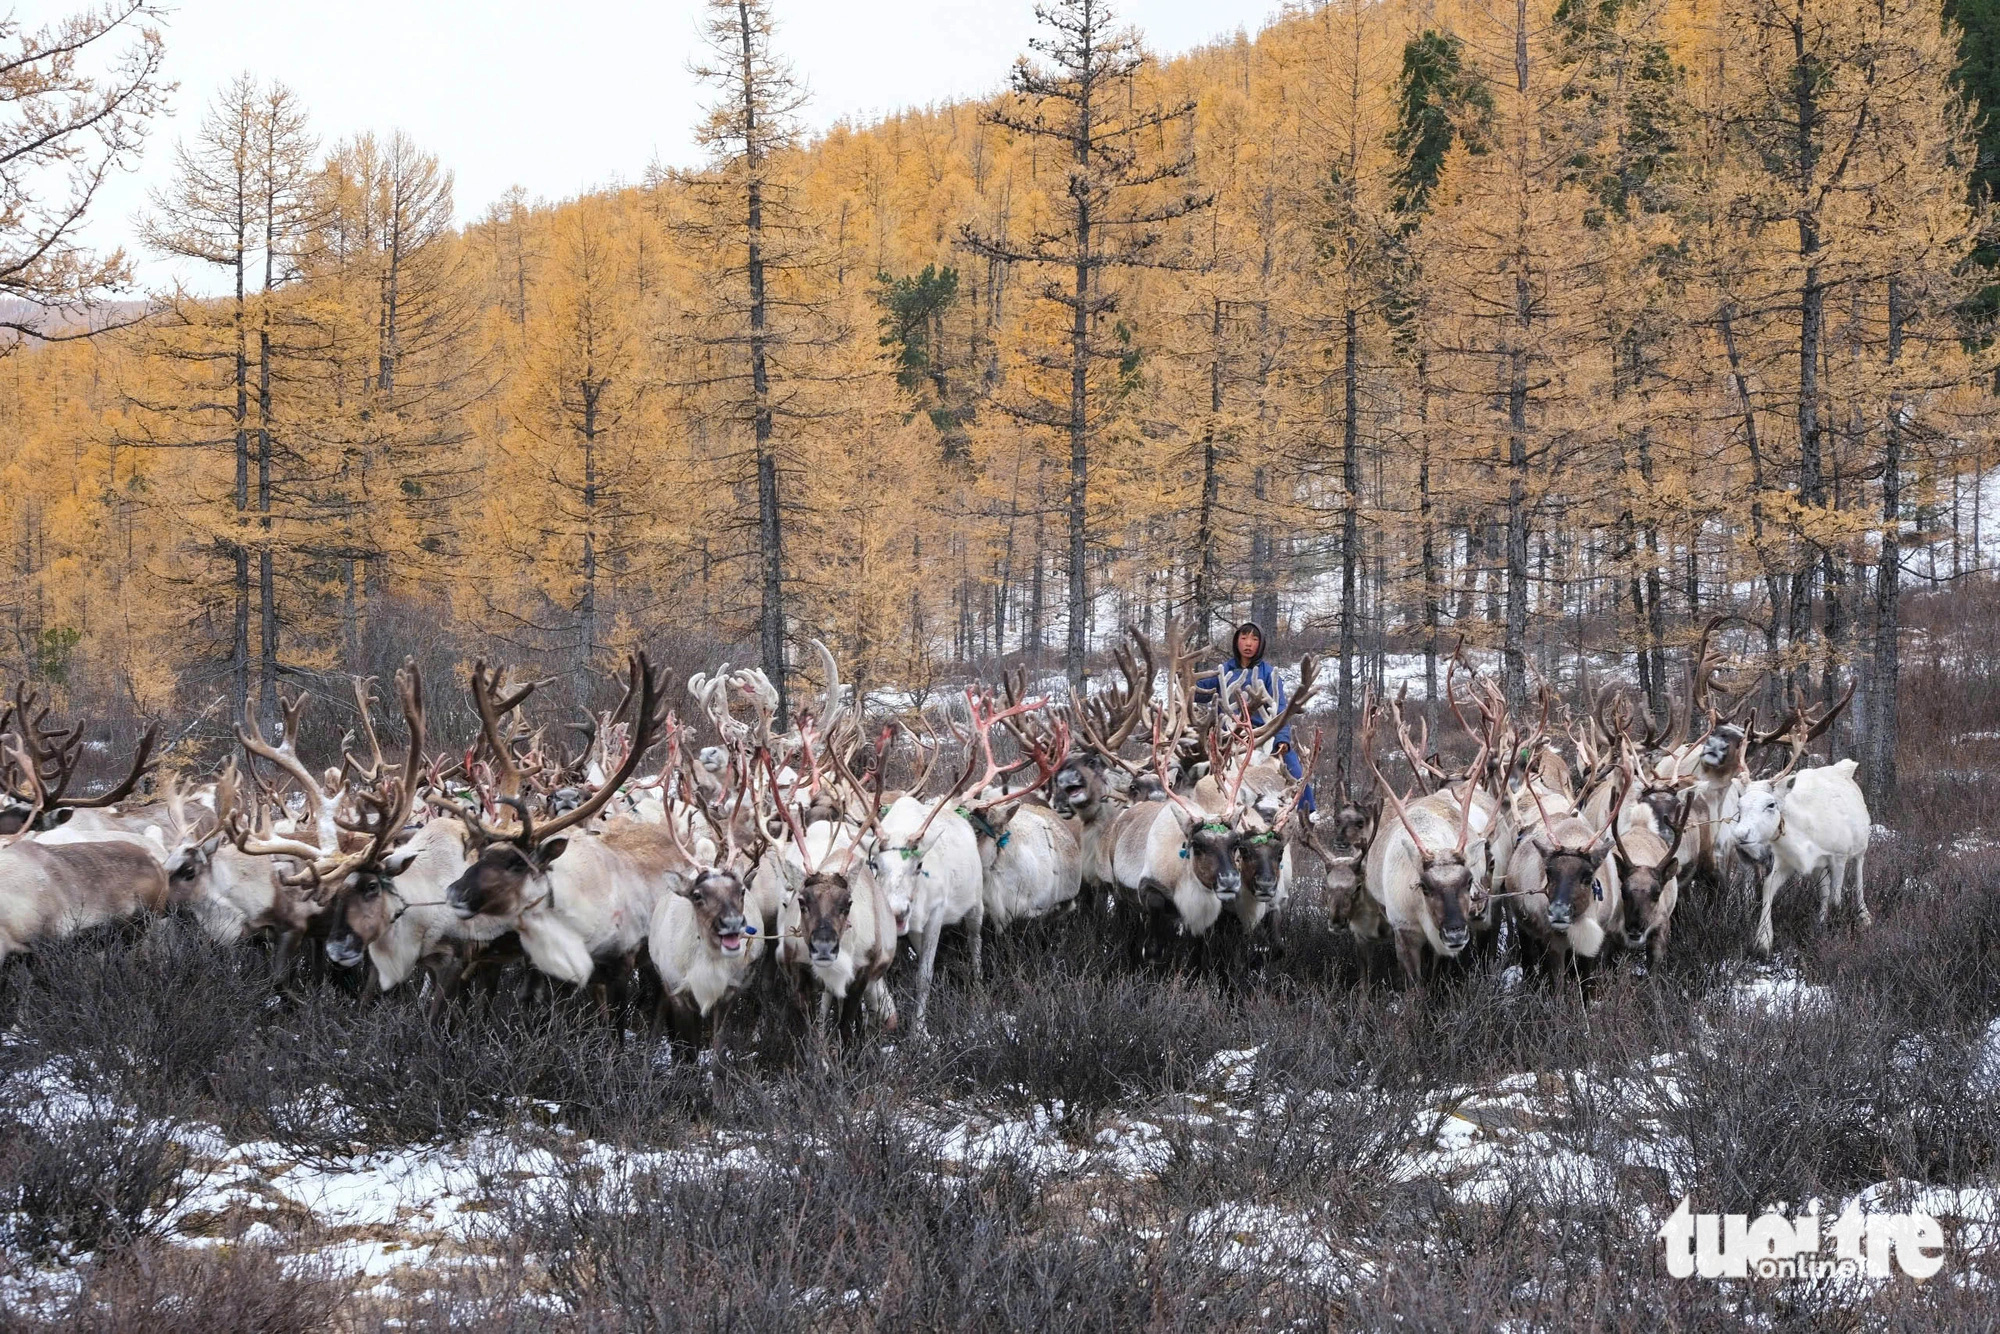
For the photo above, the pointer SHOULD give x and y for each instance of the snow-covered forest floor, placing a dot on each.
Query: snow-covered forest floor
(1082, 1142)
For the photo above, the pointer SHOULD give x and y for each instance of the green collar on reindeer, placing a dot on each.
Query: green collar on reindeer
(982, 825)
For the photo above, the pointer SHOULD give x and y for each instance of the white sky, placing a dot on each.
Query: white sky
(561, 96)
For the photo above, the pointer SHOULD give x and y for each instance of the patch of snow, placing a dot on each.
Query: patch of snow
(1231, 1071)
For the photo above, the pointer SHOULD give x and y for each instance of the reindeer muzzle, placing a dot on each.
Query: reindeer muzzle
(1455, 938)
(344, 950)
(1561, 914)
(455, 898)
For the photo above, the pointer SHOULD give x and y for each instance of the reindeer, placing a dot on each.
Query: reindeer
(707, 936)
(1341, 840)
(53, 886)
(579, 904)
(1564, 898)
(1800, 824)
(924, 856)
(1031, 861)
(356, 826)
(1264, 851)
(1102, 724)
(1647, 869)
(44, 764)
(1175, 859)
(837, 930)
(1422, 878)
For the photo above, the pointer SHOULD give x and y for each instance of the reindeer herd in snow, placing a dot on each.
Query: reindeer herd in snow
(787, 865)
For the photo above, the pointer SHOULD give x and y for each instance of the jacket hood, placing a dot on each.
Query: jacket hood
(1263, 642)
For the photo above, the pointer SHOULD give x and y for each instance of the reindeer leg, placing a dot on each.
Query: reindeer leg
(1861, 913)
(1835, 889)
(281, 958)
(717, 1019)
(977, 926)
(1772, 883)
(926, 963)
(1410, 954)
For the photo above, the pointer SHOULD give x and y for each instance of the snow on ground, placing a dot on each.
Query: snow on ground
(1575, 1135)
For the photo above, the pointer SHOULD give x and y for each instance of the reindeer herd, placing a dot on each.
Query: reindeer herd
(697, 863)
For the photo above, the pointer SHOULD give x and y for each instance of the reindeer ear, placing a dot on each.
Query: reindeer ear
(1668, 869)
(549, 851)
(1541, 842)
(1783, 787)
(211, 843)
(399, 861)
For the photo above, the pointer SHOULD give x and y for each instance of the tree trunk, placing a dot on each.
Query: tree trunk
(1812, 310)
(1350, 523)
(240, 647)
(770, 530)
(1079, 449)
(1513, 659)
(1208, 563)
(1880, 773)
(587, 611)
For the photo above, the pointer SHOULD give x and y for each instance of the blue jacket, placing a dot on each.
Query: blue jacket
(1239, 679)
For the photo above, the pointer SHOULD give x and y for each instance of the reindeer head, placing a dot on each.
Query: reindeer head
(1722, 749)
(1448, 887)
(1570, 874)
(1079, 786)
(896, 860)
(826, 900)
(188, 862)
(1353, 823)
(1642, 908)
(367, 908)
(1260, 855)
(502, 878)
(718, 897)
(1760, 819)
(1209, 844)
(1344, 876)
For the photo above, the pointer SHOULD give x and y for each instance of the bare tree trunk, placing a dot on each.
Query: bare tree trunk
(1429, 536)
(1037, 591)
(240, 647)
(1880, 774)
(1076, 644)
(587, 612)
(1812, 307)
(1513, 659)
(1350, 522)
(1208, 562)
(770, 531)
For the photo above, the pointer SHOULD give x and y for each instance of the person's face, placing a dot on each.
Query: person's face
(1247, 644)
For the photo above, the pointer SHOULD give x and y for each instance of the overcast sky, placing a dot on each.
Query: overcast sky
(562, 96)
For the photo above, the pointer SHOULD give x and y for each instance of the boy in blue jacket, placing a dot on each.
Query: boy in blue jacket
(1243, 669)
